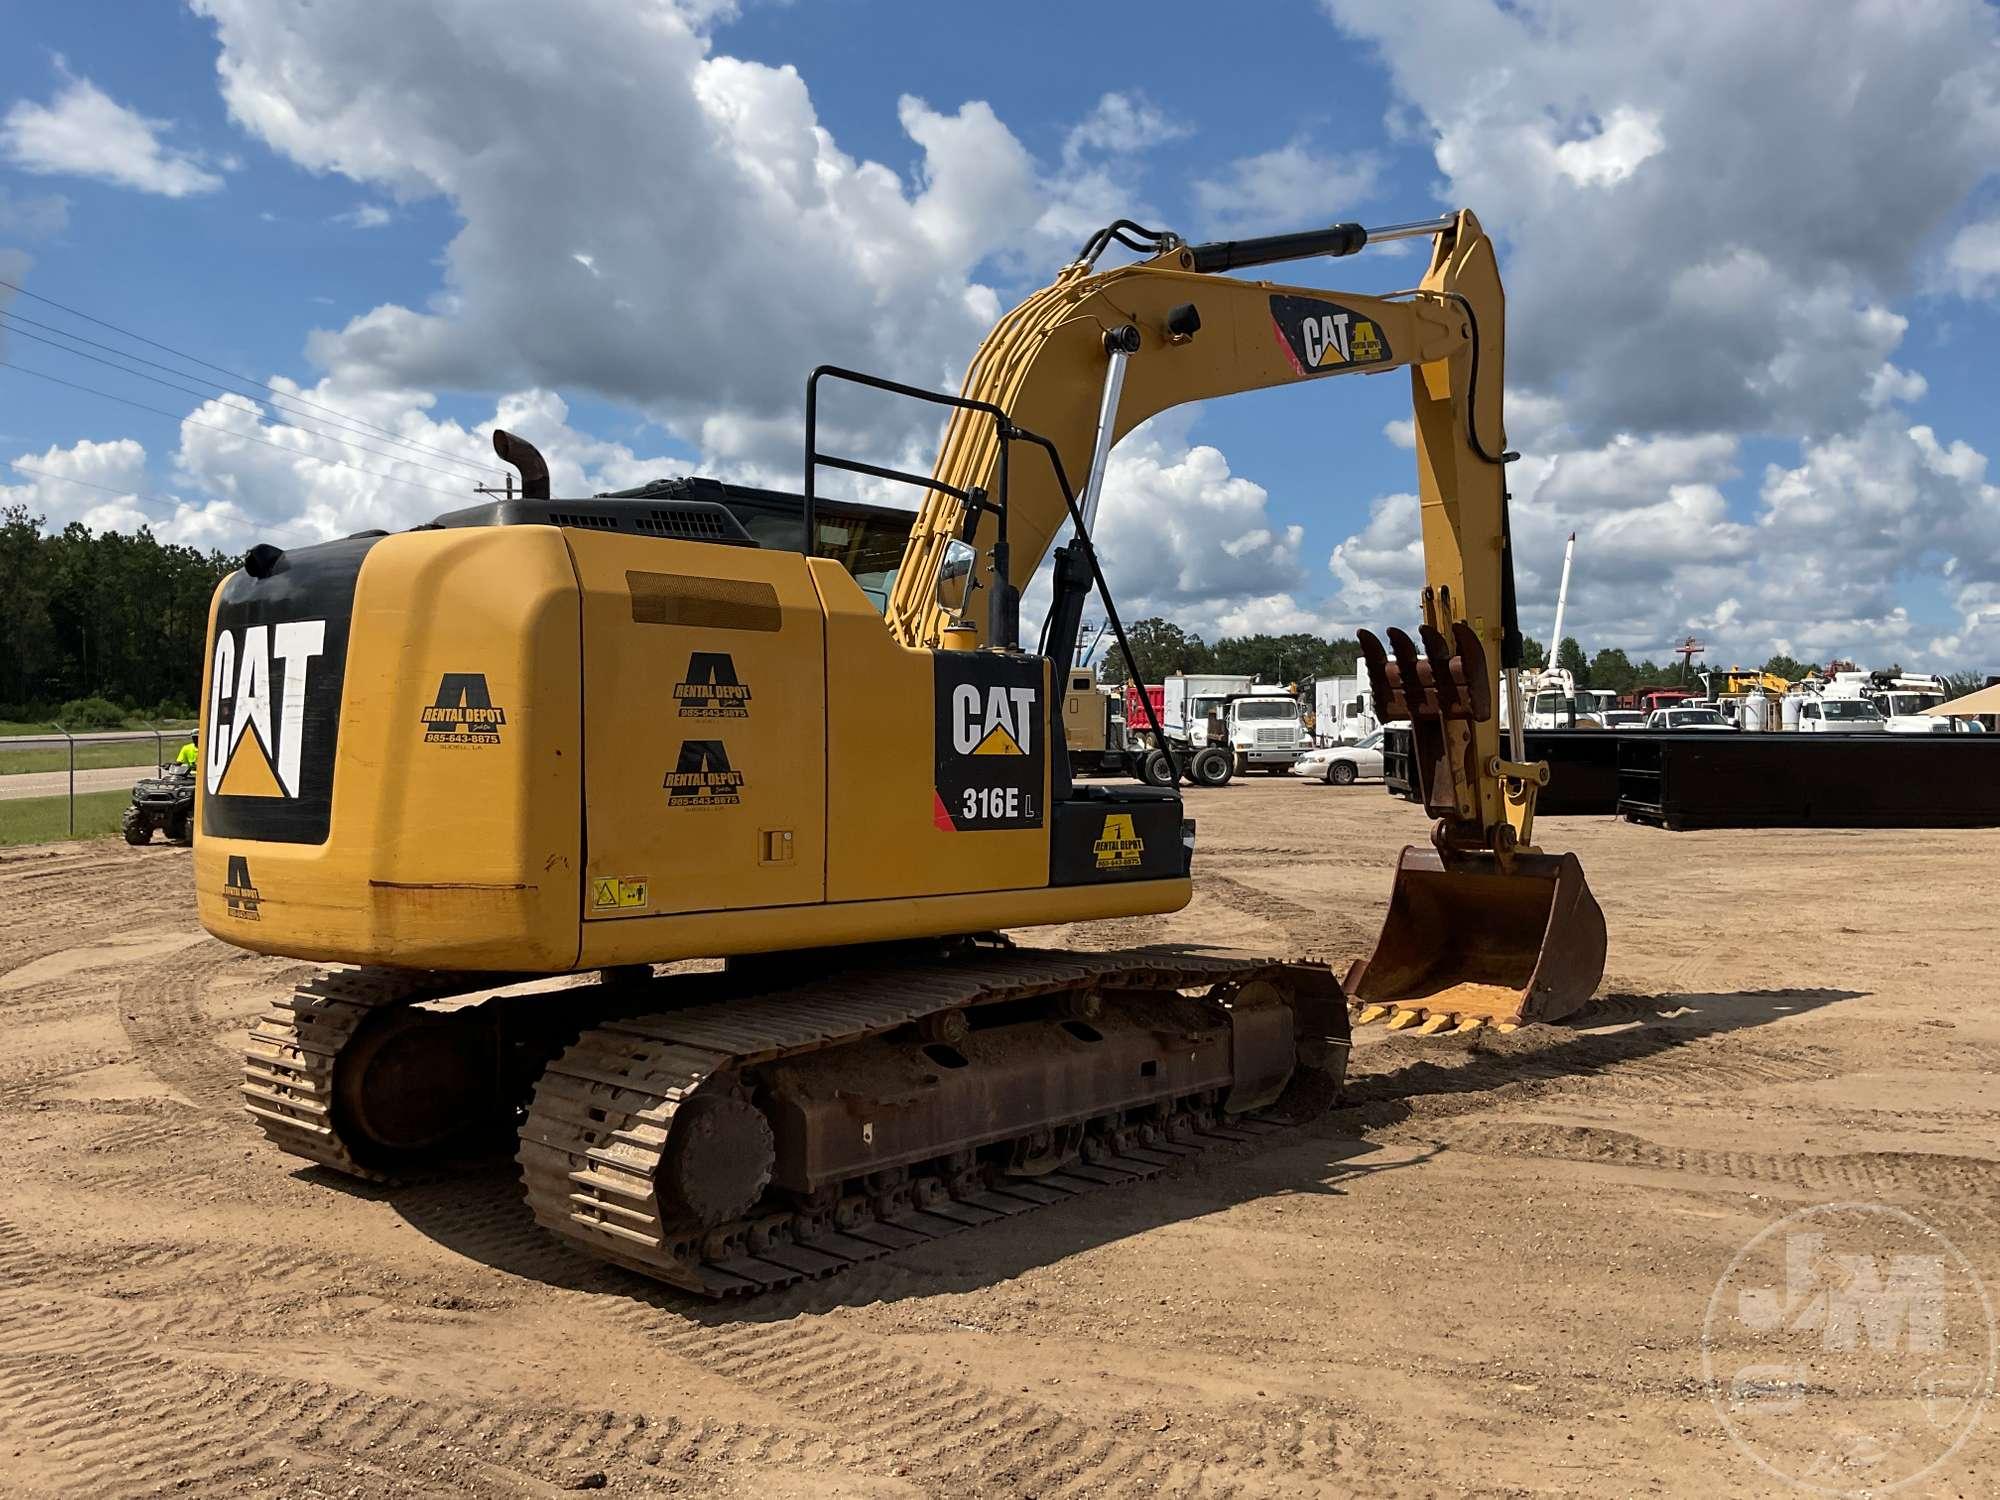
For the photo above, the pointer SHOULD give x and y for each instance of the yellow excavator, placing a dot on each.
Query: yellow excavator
(545, 737)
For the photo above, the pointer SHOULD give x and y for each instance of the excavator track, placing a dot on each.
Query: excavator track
(289, 1065)
(351, 1072)
(595, 1148)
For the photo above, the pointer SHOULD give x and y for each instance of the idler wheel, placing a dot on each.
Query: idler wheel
(414, 1082)
(718, 1159)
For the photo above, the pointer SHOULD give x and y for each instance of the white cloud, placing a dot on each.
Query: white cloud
(1888, 385)
(1120, 123)
(103, 482)
(1972, 259)
(1628, 139)
(1182, 536)
(275, 475)
(1284, 189)
(1680, 190)
(364, 216)
(654, 222)
(237, 475)
(1674, 294)
(1817, 571)
(83, 132)
(1380, 569)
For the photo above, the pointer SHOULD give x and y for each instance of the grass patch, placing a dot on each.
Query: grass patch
(45, 726)
(91, 755)
(42, 820)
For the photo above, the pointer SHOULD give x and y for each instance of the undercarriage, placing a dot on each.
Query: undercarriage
(726, 1134)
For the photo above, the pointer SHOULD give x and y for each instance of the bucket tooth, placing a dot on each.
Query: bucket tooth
(1370, 1014)
(1471, 1024)
(1403, 1020)
(1466, 938)
(1434, 1023)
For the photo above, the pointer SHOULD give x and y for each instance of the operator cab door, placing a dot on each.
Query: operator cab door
(705, 727)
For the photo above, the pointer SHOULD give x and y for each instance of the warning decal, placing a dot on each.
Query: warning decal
(618, 892)
(990, 731)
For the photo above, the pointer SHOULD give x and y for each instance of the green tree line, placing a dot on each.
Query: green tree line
(1162, 647)
(1610, 669)
(102, 624)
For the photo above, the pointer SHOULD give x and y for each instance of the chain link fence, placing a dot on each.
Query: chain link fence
(79, 772)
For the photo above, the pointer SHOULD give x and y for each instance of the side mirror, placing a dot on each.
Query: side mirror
(954, 579)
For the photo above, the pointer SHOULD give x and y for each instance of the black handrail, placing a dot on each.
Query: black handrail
(1004, 610)
(1004, 619)
(1103, 592)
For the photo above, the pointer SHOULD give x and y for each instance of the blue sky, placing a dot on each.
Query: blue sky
(1711, 379)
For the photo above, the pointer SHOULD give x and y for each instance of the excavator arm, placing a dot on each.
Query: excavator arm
(1482, 927)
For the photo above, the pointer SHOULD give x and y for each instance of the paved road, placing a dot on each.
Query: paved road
(171, 738)
(56, 783)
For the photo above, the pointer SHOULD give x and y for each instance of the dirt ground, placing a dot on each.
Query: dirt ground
(1486, 1275)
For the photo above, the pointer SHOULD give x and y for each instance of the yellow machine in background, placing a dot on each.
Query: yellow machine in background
(543, 736)
(1738, 682)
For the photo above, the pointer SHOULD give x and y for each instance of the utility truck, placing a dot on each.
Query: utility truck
(1902, 699)
(1551, 700)
(1256, 725)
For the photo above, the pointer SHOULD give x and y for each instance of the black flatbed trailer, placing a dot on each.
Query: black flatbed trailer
(1718, 779)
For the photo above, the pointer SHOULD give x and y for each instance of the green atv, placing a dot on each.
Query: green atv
(164, 802)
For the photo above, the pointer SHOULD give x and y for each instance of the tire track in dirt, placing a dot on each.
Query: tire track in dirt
(915, 1418)
(1309, 933)
(21, 1076)
(36, 994)
(893, 1411)
(897, 1414)
(1400, 1079)
(1254, 901)
(1875, 1175)
(119, 1424)
(92, 1390)
(53, 904)
(161, 1011)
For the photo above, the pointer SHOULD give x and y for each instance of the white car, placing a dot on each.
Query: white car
(1343, 765)
(1621, 718)
(1687, 718)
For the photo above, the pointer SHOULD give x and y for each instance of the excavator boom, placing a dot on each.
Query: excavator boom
(1482, 928)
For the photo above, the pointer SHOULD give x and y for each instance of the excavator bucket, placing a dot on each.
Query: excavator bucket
(1467, 945)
